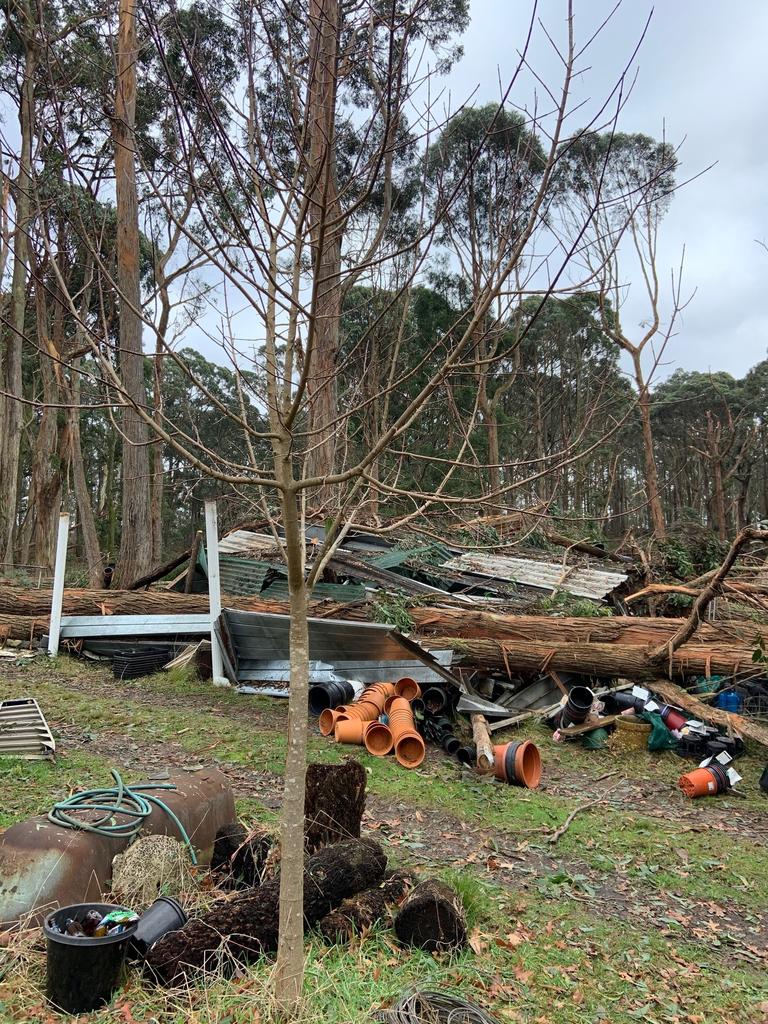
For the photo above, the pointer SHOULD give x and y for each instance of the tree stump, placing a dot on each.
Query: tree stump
(359, 912)
(334, 803)
(432, 918)
(247, 925)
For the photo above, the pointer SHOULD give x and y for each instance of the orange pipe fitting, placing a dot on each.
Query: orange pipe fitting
(407, 688)
(378, 739)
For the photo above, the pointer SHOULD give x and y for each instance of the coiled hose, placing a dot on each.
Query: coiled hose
(133, 802)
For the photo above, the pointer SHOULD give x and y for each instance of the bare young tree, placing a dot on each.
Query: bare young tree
(316, 185)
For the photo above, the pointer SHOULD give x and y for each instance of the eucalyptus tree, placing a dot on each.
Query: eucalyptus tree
(624, 184)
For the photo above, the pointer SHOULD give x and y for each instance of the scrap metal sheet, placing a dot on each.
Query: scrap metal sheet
(574, 580)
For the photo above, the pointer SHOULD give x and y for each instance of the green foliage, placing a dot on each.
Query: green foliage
(677, 559)
(565, 605)
(392, 610)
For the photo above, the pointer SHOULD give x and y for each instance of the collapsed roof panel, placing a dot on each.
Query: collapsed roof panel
(574, 580)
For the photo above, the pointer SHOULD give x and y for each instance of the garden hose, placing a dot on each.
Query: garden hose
(131, 801)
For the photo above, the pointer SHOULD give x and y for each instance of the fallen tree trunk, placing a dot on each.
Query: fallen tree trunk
(246, 926)
(432, 918)
(356, 914)
(746, 726)
(609, 660)
(19, 602)
(23, 627)
(616, 629)
(482, 741)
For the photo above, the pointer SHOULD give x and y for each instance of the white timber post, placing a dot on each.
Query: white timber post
(214, 589)
(60, 568)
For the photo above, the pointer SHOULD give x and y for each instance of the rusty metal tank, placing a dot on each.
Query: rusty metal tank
(44, 866)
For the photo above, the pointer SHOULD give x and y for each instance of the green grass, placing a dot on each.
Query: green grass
(548, 955)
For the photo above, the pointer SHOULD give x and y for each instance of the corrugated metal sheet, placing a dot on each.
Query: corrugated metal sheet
(24, 731)
(278, 591)
(361, 671)
(76, 626)
(242, 577)
(399, 556)
(246, 542)
(540, 575)
(257, 636)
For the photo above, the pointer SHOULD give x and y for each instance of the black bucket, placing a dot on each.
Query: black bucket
(330, 694)
(165, 915)
(83, 974)
(576, 710)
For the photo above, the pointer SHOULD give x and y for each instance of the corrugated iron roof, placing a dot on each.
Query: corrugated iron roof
(278, 591)
(24, 731)
(540, 575)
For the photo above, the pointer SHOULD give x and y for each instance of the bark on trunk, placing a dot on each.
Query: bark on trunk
(246, 926)
(325, 219)
(600, 660)
(10, 355)
(432, 918)
(136, 537)
(289, 970)
(80, 484)
(655, 509)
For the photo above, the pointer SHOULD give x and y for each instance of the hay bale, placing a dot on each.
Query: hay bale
(153, 866)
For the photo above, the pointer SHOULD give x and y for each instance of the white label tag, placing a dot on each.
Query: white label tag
(641, 692)
(733, 776)
(724, 757)
(706, 762)
(652, 706)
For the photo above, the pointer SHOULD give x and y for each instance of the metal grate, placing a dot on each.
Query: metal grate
(23, 730)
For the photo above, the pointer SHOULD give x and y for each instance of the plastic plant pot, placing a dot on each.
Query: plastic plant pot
(165, 915)
(451, 744)
(700, 782)
(328, 720)
(378, 739)
(577, 707)
(434, 698)
(408, 688)
(672, 718)
(518, 763)
(82, 973)
(409, 749)
(351, 730)
(467, 755)
(330, 695)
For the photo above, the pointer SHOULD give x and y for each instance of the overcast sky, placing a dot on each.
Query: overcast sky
(703, 80)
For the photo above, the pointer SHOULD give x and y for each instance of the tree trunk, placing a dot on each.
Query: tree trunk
(655, 509)
(289, 970)
(595, 659)
(325, 220)
(136, 536)
(83, 495)
(10, 354)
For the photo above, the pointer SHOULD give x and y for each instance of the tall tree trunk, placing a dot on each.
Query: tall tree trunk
(325, 219)
(83, 495)
(289, 971)
(136, 538)
(10, 352)
(655, 509)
